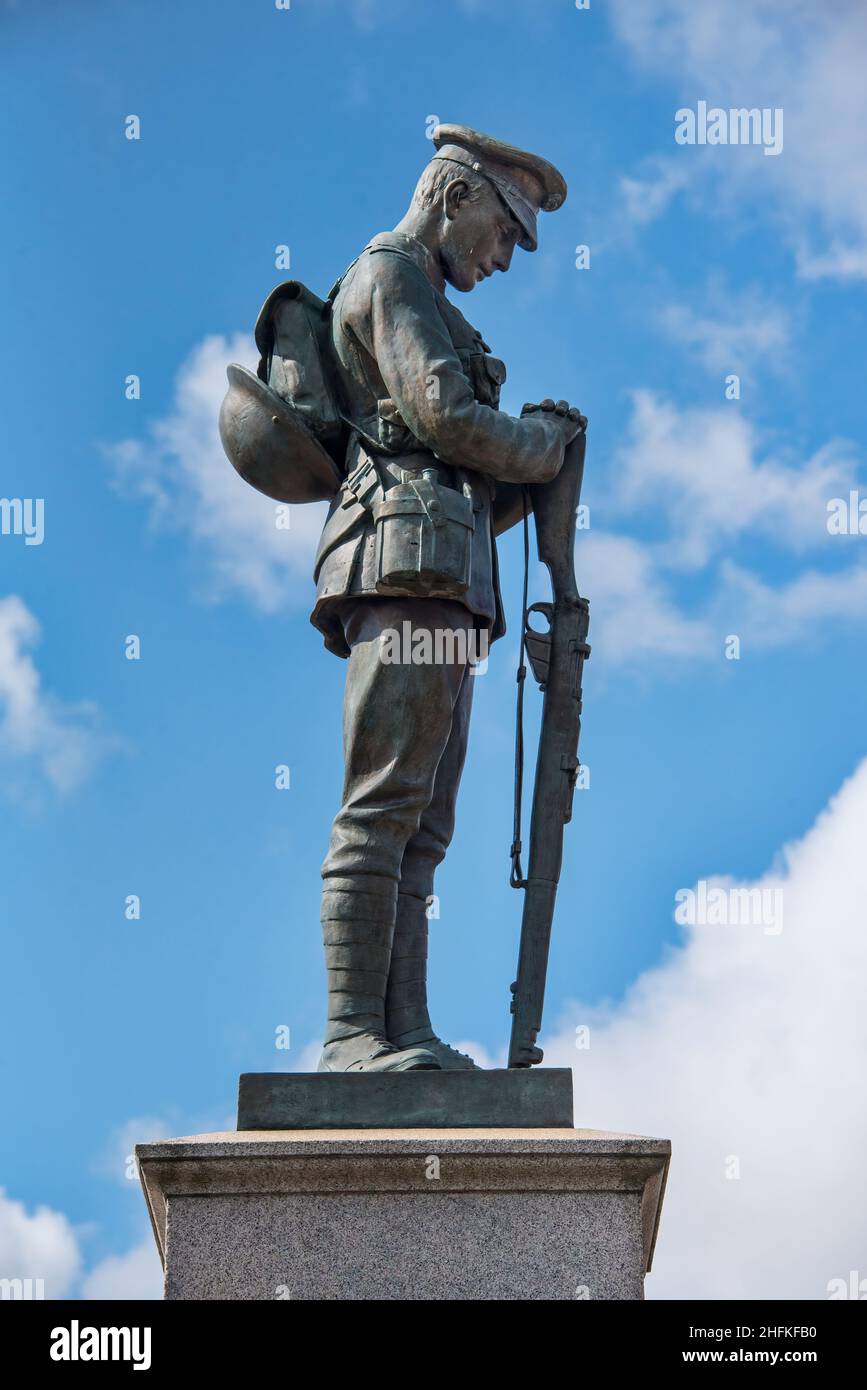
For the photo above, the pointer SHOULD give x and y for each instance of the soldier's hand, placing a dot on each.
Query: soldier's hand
(567, 416)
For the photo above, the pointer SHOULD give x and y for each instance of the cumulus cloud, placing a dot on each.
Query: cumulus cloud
(117, 1159)
(773, 617)
(41, 1245)
(42, 738)
(637, 620)
(45, 1245)
(704, 473)
(807, 59)
(137, 1272)
(736, 332)
(635, 616)
(648, 195)
(703, 482)
(180, 469)
(748, 1050)
(134, 1275)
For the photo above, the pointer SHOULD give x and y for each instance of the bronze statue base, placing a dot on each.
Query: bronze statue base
(521, 1098)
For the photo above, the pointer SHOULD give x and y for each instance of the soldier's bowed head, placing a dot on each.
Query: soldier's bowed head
(477, 200)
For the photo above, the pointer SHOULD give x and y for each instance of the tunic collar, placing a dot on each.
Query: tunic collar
(419, 252)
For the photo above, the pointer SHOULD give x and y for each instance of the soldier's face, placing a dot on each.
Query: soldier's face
(479, 237)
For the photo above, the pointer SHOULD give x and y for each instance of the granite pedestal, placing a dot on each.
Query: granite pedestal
(405, 1214)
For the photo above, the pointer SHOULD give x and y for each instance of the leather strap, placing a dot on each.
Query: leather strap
(516, 874)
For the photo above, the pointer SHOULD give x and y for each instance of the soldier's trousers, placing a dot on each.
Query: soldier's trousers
(405, 731)
(405, 727)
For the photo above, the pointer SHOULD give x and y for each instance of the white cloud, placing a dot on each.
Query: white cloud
(773, 617)
(648, 196)
(634, 617)
(699, 471)
(845, 262)
(808, 59)
(737, 332)
(117, 1160)
(41, 1245)
(40, 735)
(136, 1274)
(637, 621)
(750, 1045)
(703, 481)
(46, 1246)
(182, 471)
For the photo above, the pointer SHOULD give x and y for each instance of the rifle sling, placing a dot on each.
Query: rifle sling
(516, 874)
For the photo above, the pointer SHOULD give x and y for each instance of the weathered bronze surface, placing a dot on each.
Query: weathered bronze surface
(557, 658)
(271, 447)
(401, 1100)
(394, 388)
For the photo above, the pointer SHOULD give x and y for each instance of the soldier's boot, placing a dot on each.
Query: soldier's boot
(357, 929)
(406, 1013)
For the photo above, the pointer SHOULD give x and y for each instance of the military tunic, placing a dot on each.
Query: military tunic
(423, 390)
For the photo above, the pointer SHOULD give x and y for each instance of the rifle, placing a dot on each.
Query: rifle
(557, 658)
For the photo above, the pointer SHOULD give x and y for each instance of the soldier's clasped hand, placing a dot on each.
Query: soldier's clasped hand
(569, 417)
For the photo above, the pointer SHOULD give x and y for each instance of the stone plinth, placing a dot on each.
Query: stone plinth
(409, 1214)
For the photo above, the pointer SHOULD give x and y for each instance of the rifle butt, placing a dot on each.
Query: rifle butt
(529, 989)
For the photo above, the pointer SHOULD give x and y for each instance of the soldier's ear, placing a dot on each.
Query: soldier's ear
(454, 197)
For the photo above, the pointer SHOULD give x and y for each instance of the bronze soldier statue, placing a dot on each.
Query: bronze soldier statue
(418, 380)
(427, 471)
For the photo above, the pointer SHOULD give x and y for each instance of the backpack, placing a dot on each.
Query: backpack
(282, 429)
(293, 337)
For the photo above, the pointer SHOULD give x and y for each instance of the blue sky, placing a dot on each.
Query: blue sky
(708, 518)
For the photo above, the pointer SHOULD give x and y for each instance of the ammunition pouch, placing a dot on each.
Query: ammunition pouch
(424, 529)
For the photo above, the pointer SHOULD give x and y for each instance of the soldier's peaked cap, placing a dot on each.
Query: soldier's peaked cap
(525, 182)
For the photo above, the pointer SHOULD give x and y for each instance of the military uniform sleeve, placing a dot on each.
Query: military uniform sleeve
(394, 315)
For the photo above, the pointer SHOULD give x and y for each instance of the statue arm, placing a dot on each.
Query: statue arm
(394, 315)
